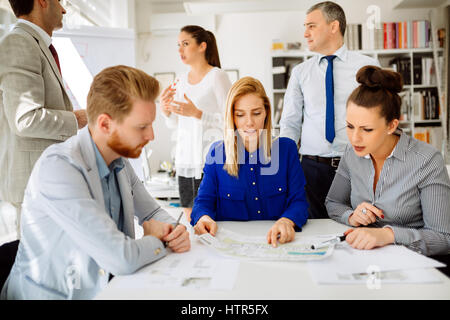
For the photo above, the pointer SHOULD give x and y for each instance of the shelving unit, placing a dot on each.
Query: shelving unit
(410, 123)
(282, 64)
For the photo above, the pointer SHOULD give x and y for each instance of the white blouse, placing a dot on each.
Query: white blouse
(194, 136)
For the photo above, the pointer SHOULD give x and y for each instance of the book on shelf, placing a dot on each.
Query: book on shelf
(425, 104)
(406, 34)
(428, 72)
(406, 105)
(353, 37)
(424, 72)
(392, 35)
(278, 111)
(441, 37)
(431, 135)
(402, 65)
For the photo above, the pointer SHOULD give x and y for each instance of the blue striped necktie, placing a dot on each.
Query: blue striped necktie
(329, 85)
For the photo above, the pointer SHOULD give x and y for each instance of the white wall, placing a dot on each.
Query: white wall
(244, 41)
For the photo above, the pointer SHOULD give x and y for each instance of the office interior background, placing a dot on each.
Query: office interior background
(255, 38)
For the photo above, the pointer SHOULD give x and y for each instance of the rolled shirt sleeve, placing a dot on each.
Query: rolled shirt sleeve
(434, 191)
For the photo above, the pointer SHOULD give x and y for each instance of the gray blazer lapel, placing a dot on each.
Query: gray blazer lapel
(88, 154)
(46, 52)
(127, 202)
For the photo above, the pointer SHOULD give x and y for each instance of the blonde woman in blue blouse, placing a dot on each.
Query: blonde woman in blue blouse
(249, 176)
(393, 189)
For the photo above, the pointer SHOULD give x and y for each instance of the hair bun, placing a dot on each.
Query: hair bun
(376, 77)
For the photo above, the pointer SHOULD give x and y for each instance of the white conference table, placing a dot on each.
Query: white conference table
(264, 280)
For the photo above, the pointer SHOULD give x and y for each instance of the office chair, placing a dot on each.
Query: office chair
(8, 253)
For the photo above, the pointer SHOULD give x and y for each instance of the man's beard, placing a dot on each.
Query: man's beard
(116, 144)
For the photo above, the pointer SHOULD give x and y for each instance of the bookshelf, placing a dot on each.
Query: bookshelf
(282, 64)
(424, 109)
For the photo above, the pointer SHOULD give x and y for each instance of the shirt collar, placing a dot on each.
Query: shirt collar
(103, 169)
(257, 156)
(340, 53)
(44, 35)
(400, 148)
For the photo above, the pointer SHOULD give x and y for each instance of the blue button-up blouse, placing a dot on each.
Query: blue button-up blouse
(263, 190)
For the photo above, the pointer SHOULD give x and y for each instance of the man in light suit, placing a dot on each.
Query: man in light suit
(82, 197)
(35, 110)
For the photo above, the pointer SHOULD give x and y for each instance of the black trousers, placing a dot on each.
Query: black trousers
(188, 189)
(319, 177)
(8, 253)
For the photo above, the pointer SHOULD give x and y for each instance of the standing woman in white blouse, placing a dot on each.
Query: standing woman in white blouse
(195, 105)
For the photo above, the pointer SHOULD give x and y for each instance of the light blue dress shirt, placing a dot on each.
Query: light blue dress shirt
(110, 187)
(304, 107)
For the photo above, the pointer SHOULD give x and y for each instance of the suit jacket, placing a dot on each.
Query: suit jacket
(35, 110)
(69, 243)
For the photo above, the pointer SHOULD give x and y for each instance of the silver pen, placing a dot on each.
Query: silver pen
(326, 243)
(174, 227)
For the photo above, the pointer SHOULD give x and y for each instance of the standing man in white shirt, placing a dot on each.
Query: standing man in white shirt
(35, 109)
(315, 100)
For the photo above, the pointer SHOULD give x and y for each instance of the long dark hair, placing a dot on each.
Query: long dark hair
(201, 35)
(378, 88)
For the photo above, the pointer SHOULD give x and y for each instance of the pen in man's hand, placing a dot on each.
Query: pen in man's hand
(166, 243)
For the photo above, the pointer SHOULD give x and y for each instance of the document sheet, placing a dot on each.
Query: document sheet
(390, 264)
(191, 270)
(256, 248)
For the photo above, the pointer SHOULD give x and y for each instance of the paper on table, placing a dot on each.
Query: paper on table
(256, 248)
(347, 261)
(372, 278)
(185, 272)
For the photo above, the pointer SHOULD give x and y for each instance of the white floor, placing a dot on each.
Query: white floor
(7, 223)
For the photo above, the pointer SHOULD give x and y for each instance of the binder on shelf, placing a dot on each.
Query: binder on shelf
(417, 70)
(279, 73)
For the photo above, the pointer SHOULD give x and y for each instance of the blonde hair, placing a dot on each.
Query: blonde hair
(240, 88)
(114, 90)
